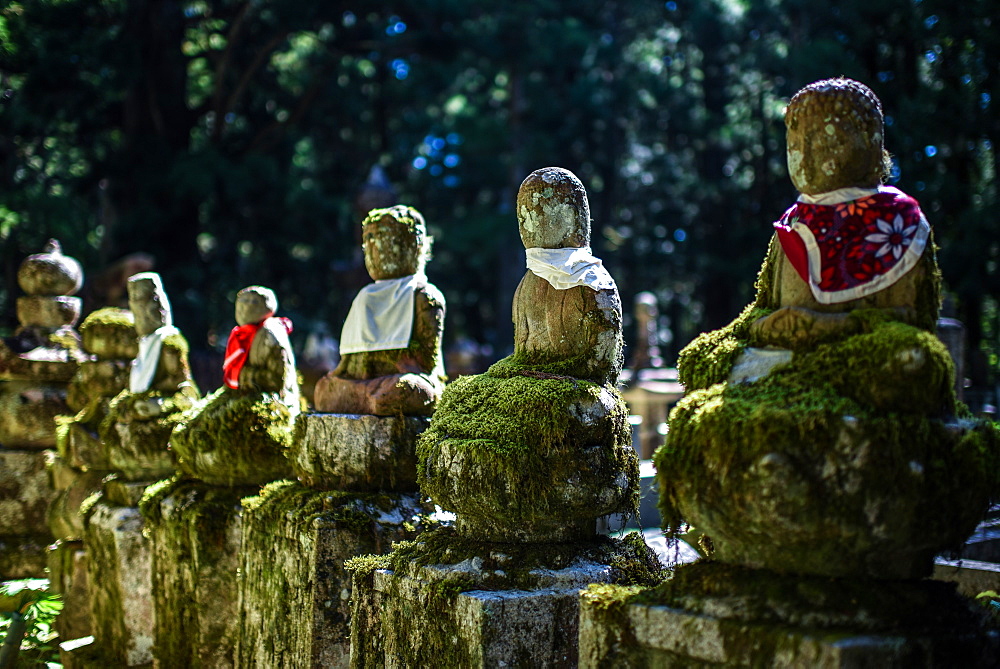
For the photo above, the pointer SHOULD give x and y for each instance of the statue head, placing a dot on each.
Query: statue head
(552, 210)
(148, 303)
(835, 137)
(254, 304)
(395, 242)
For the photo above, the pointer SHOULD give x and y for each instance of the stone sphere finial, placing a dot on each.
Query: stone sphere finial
(395, 242)
(148, 302)
(50, 273)
(835, 137)
(552, 210)
(254, 304)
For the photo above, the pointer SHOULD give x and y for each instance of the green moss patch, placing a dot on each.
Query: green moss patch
(522, 435)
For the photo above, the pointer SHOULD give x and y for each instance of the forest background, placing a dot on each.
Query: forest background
(233, 142)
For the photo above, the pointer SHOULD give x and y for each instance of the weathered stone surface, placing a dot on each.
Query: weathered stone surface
(294, 593)
(50, 272)
(29, 356)
(67, 562)
(119, 571)
(63, 516)
(25, 492)
(97, 379)
(503, 605)
(119, 491)
(48, 312)
(110, 334)
(80, 446)
(616, 632)
(357, 452)
(23, 556)
(196, 531)
(27, 413)
(138, 448)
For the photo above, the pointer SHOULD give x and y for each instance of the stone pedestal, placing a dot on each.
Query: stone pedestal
(67, 562)
(444, 601)
(756, 619)
(294, 593)
(119, 570)
(357, 452)
(25, 492)
(195, 530)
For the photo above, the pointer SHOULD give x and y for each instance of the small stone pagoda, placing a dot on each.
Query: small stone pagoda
(80, 464)
(528, 456)
(36, 365)
(354, 459)
(819, 449)
(134, 435)
(226, 446)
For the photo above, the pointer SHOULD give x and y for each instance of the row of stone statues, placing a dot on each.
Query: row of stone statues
(819, 438)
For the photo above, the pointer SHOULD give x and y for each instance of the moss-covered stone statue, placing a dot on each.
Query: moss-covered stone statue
(820, 447)
(238, 434)
(539, 446)
(140, 418)
(391, 362)
(527, 455)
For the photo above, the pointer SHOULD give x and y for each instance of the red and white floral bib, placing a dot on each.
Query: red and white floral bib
(853, 242)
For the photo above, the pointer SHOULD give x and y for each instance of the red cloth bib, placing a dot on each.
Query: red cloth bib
(238, 349)
(851, 249)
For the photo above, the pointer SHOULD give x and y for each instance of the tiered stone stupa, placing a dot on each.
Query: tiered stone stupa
(528, 456)
(819, 448)
(227, 446)
(134, 435)
(77, 470)
(354, 460)
(36, 364)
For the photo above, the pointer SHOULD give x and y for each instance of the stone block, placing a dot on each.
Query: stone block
(25, 491)
(63, 517)
(68, 577)
(357, 452)
(294, 592)
(27, 413)
(119, 571)
(644, 635)
(81, 447)
(196, 531)
(502, 605)
(23, 556)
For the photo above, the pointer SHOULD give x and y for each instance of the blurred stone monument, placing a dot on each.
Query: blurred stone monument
(527, 455)
(819, 448)
(36, 365)
(355, 461)
(80, 463)
(227, 446)
(134, 438)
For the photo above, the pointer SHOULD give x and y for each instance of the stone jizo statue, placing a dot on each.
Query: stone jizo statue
(259, 355)
(566, 306)
(391, 360)
(238, 435)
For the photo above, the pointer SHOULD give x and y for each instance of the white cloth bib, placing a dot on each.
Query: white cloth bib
(145, 364)
(381, 317)
(569, 267)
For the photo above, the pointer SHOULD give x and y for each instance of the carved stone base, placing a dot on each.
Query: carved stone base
(24, 533)
(196, 531)
(715, 616)
(357, 452)
(502, 605)
(27, 413)
(121, 593)
(294, 594)
(68, 578)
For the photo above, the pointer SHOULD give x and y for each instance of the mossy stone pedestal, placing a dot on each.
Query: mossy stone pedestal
(119, 569)
(712, 614)
(294, 594)
(528, 461)
(447, 601)
(195, 531)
